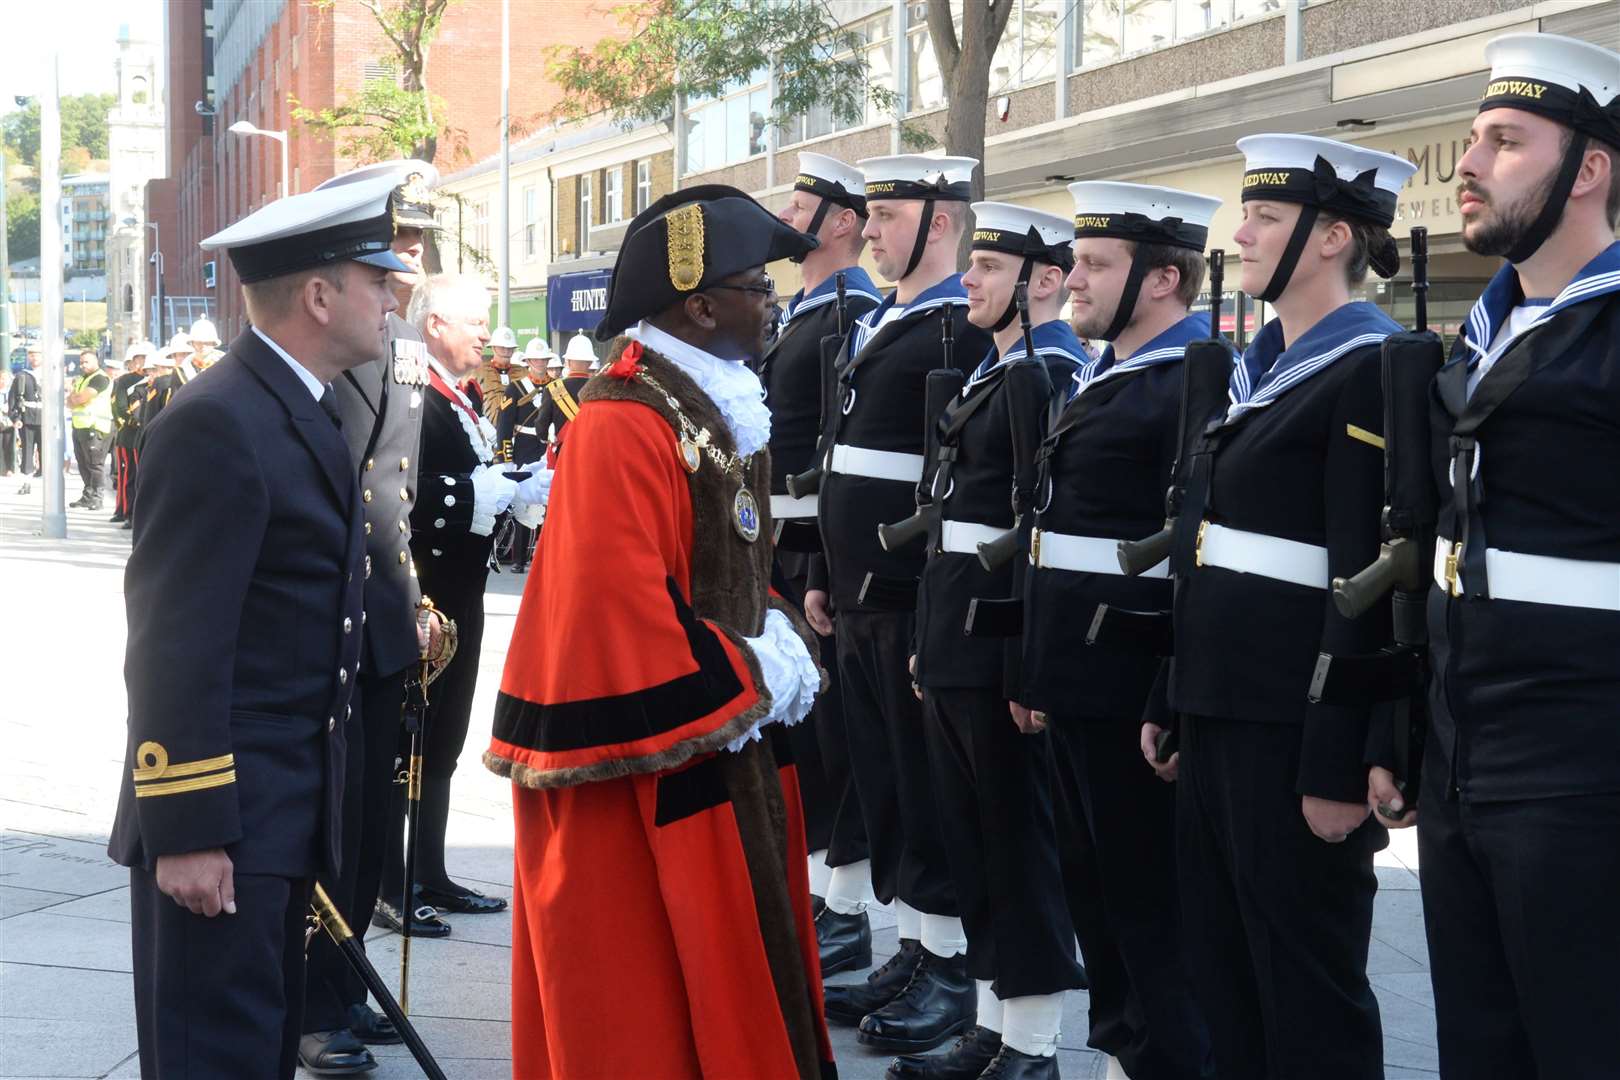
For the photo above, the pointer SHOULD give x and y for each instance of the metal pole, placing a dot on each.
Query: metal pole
(285, 151)
(503, 250)
(157, 276)
(52, 451)
(5, 271)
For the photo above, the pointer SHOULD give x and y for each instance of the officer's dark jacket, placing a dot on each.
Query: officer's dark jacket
(23, 399)
(882, 376)
(129, 394)
(978, 492)
(521, 399)
(243, 598)
(1526, 696)
(381, 405)
(1112, 447)
(1306, 468)
(550, 416)
(449, 557)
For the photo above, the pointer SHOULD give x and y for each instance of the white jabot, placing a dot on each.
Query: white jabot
(732, 386)
(311, 383)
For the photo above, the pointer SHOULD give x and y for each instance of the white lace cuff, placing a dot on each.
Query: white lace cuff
(791, 676)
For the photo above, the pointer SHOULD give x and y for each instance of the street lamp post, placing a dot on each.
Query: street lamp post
(157, 262)
(242, 127)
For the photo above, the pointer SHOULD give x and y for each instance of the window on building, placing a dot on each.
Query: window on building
(874, 34)
(1106, 30)
(613, 194)
(531, 222)
(587, 182)
(480, 228)
(643, 185)
(728, 128)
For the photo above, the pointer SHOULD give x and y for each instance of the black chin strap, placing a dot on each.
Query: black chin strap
(814, 230)
(1011, 312)
(1290, 255)
(922, 238)
(1553, 212)
(1127, 301)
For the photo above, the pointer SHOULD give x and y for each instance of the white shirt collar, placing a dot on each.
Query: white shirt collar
(311, 383)
(732, 386)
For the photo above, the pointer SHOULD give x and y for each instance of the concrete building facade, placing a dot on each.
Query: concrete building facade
(135, 154)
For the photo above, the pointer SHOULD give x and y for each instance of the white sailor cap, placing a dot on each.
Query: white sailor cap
(1022, 230)
(1573, 82)
(1339, 177)
(318, 228)
(833, 180)
(1143, 213)
(919, 176)
(414, 180)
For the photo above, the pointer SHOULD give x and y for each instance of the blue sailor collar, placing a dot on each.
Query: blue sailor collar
(1268, 370)
(1052, 338)
(1165, 348)
(1490, 313)
(948, 291)
(856, 283)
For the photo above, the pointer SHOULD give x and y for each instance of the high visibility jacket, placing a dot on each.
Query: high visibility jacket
(97, 412)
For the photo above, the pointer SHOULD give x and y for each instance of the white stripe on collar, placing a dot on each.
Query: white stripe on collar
(1297, 374)
(864, 328)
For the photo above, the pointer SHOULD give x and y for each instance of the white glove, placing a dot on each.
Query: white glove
(529, 504)
(492, 493)
(791, 676)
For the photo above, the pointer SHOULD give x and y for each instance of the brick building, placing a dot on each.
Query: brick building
(251, 59)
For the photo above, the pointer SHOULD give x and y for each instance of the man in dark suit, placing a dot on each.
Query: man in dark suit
(244, 598)
(380, 403)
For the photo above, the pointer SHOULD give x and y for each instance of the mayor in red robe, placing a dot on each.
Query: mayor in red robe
(661, 919)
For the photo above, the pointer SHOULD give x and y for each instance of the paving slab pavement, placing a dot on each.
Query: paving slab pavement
(66, 998)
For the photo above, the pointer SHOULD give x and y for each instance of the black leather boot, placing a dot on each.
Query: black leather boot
(1010, 1064)
(848, 1004)
(938, 1002)
(845, 940)
(334, 1053)
(969, 1057)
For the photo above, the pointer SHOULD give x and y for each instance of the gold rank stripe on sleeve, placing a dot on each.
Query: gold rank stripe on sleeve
(565, 401)
(155, 775)
(1363, 435)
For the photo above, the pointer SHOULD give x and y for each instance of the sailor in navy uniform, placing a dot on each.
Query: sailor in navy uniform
(918, 209)
(380, 403)
(829, 203)
(1274, 846)
(245, 600)
(1107, 457)
(991, 765)
(1519, 819)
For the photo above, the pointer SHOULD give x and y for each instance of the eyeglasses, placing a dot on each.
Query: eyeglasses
(765, 287)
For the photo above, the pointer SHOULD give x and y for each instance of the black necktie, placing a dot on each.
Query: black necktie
(329, 407)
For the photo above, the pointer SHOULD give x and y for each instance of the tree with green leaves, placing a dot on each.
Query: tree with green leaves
(84, 124)
(22, 223)
(397, 116)
(705, 47)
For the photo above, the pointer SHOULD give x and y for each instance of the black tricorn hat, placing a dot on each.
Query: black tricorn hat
(689, 239)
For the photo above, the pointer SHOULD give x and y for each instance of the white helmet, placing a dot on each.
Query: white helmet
(138, 348)
(503, 338)
(579, 350)
(554, 363)
(203, 330)
(538, 349)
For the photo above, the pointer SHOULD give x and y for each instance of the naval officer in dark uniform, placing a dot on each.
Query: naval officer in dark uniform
(1275, 848)
(829, 203)
(244, 595)
(380, 403)
(1106, 462)
(1519, 820)
(990, 765)
(918, 209)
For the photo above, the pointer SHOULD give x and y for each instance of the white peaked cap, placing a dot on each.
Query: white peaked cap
(318, 228)
(823, 167)
(397, 171)
(1010, 218)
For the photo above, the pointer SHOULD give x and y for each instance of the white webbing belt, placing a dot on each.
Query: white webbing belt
(1266, 556)
(1534, 579)
(876, 464)
(1084, 554)
(964, 537)
(787, 508)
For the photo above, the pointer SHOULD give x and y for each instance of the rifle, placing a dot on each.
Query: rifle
(1206, 373)
(941, 388)
(1398, 674)
(1036, 383)
(324, 914)
(809, 482)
